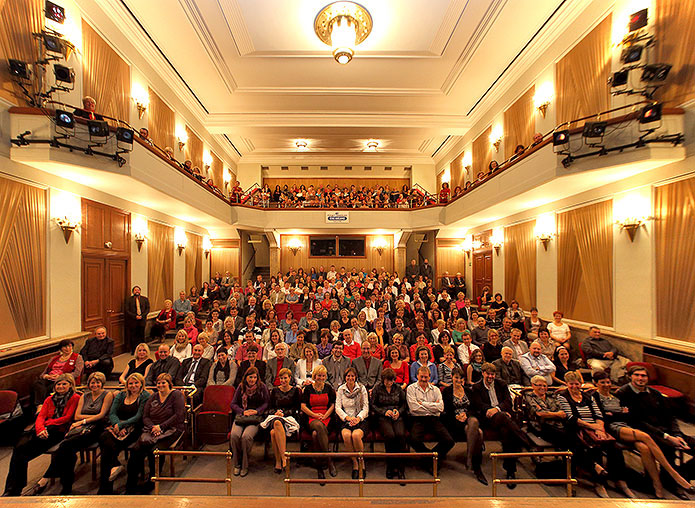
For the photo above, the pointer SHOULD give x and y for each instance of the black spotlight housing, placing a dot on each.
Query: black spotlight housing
(52, 43)
(97, 129)
(655, 72)
(55, 12)
(19, 69)
(594, 129)
(63, 74)
(65, 119)
(619, 78)
(638, 20)
(650, 113)
(632, 54)
(561, 137)
(125, 135)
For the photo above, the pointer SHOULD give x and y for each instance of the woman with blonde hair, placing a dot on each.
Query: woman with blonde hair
(318, 404)
(309, 359)
(377, 346)
(140, 363)
(181, 349)
(190, 329)
(165, 320)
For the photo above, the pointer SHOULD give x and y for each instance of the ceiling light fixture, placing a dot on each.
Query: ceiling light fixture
(301, 145)
(372, 145)
(343, 25)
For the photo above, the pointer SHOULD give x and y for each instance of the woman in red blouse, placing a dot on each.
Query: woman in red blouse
(400, 367)
(52, 422)
(66, 361)
(318, 404)
(444, 193)
(166, 320)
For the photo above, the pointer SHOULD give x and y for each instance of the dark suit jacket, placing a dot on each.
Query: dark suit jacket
(512, 373)
(271, 370)
(243, 367)
(201, 374)
(426, 271)
(480, 398)
(170, 366)
(369, 378)
(131, 309)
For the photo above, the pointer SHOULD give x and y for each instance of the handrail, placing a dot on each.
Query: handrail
(361, 481)
(568, 480)
(253, 256)
(157, 478)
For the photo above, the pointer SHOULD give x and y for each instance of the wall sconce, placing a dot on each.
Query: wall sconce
(631, 225)
(207, 246)
(294, 245)
(542, 98)
(496, 137)
(139, 240)
(67, 226)
(139, 230)
(180, 240)
(181, 136)
(467, 161)
(545, 239)
(141, 98)
(497, 239)
(380, 245)
(207, 160)
(545, 229)
(631, 211)
(467, 245)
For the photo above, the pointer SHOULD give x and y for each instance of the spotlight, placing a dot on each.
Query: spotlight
(63, 74)
(632, 54)
(52, 43)
(638, 20)
(124, 135)
(561, 137)
(650, 113)
(55, 12)
(19, 69)
(655, 72)
(619, 78)
(97, 129)
(594, 129)
(65, 119)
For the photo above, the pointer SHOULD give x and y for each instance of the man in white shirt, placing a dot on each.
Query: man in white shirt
(425, 404)
(332, 274)
(518, 346)
(466, 348)
(369, 311)
(535, 363)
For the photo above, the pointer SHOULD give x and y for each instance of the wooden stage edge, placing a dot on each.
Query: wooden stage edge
(325, 502)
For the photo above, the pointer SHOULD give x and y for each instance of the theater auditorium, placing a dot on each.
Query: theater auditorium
(317, 252)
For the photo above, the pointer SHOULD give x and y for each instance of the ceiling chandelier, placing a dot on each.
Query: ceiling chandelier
(343, 25)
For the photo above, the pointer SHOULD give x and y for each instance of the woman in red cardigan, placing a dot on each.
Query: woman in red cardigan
(66, 361)
(52, 422)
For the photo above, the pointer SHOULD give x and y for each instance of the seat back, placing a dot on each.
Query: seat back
(581, 352)
(218, 398)
(8, 401)
(651, 370)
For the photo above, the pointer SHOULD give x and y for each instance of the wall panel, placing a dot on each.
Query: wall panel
(449, 258)
(225, 256)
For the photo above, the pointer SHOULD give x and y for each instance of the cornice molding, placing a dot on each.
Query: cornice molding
(342, 91)
(452, 16)
(354, 159)
(234, 18)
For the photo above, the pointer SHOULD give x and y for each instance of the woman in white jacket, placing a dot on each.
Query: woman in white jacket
(352, 407)
(305, 365)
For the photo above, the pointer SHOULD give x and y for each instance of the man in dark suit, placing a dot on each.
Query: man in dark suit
(368, 367)
(460, 282)
(137, 307)
(492, 403)
(194, 371)
(509, 370)
(274, 365)
(163, 364)
(251, 307)
(426, 270)
(447, 282)
(412, 270)
(97, 353)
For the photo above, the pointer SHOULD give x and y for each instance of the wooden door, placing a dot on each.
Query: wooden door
(119, 231)
(94, 219)
(116, 291)
(105, 230)
(482, 271)
(93, 308)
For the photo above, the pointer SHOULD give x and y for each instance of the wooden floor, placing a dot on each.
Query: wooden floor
(324, 502)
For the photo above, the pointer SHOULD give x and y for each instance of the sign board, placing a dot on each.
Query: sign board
(337, 217)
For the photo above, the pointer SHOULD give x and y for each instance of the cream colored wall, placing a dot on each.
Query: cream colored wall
(179, 270)
(138, 260)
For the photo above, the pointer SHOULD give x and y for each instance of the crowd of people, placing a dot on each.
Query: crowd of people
(358, 354)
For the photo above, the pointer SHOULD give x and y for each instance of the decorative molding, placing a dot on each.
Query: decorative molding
(250, 147)
(451, 19)
(234, 19)
(343, 91)
(190, 8)
(353, 159)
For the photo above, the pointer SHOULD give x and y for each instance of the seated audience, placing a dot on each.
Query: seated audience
(368, 368)
(140, 363)
(224, 370)
(445, 368)
(535, 363)
(249, 405)
(388, 404)
(562, 365)
(492, 349)
(52, 423)
(194, 372)
(275, 365)
(123, 429)
(352, 408)
(283, 415)
(163, 424)
(208, 350)
(65, 362)
(351, 349)
(518, 346)
(182, 306)
(97, 353)
(559, 331)
(548, 346)
(509, 370)
(318, 404)
(165, 364)
(546, 417)
(181, 348)
(602, 355)
(166, 320)
(474, 370)
(532, 324)
(251, 361)
(305, 365)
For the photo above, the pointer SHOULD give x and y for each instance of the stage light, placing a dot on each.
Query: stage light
(561, 137)
(594, 129)
(63, 74)
(655, 72)
(65, 119)
(650, 113)
(19, 69)
(55, 12)
(52, 43)
(638, 20)
(619, 78)
(632, 54)
(125, 135)
(97, 129)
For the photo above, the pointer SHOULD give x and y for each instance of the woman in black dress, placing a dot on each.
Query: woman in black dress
(284, 407)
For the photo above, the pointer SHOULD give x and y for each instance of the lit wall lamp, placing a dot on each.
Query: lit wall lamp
(631, 212)
(141, 98)
(496, 135)
(294, 245)
(207, 160)
(545, 229)
(180, 240)
(372, 145)
(467, 245)
(497, 239)
(207, 246)
(467, 160)
(380, 245)
(543, 97)
(139, 231)
(631, 225)
(181, 136)
(67, 226)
